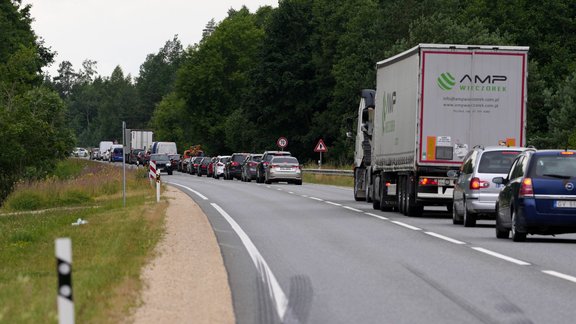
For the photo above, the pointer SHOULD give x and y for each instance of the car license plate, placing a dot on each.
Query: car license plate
(285, 169)
(566, 203)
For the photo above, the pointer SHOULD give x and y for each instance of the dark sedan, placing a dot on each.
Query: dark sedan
(538, 195)
(202, 168)
(233, 168)
(249, 167)
(163, 162)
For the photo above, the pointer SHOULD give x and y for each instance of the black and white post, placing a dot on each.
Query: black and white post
(64, 268)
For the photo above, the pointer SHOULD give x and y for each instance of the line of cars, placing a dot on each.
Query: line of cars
(527, 191)
(269, 167)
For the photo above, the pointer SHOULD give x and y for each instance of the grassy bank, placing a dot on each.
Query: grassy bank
(108, 252)
(326, 179)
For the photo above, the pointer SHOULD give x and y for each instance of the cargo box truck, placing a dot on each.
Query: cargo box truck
(432, 104)
(137, 139)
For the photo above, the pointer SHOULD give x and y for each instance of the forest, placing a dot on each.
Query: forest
(294, 71)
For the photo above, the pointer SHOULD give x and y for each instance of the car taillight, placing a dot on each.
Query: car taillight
(252, 164)
(265, 163)
(526, 189)
(476, 184)
(274, 166)
(234, 163)
(428, 182)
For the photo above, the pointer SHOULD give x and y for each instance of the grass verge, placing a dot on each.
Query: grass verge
(108, 252)
(327, 179)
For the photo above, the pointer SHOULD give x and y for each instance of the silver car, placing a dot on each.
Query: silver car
(283, 168)
(475, 194)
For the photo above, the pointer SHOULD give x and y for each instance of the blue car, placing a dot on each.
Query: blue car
(538, 195)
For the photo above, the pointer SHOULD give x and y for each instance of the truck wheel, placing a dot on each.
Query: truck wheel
(399, 195)
(469, 218)
(375, 202)
(412, 207)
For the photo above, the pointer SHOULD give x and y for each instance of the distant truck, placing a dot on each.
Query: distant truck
(432, 104)
(137, 139)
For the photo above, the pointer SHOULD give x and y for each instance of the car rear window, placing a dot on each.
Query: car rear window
(256, 158)
(561, 166)
(224, 160)
(497, 161)
(239, 158)
(285, 160)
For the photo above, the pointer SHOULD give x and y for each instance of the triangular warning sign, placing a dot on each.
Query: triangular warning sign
(320, 147)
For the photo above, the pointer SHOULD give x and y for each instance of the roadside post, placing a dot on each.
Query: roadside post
(282, 142)
(157, 186)
(123, 164)
(64, 269)
(320, 148)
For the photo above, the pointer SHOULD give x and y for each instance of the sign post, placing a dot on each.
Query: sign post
(64, 268)
(320, 148)
(282, 142)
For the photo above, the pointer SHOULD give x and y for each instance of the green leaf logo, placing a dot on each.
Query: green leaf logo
(446, 81)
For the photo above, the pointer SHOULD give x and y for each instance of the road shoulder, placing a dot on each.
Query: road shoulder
(187, 281)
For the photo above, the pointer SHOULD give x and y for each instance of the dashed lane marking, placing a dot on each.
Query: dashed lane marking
(406, 225)
(445, 238)
(501, 256)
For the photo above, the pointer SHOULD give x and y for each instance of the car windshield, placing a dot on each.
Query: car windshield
(560, 166)
(497, 161)
(159, 157)
(285, 160)
(224, 159)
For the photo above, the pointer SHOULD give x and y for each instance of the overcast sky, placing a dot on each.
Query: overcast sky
(124, 32)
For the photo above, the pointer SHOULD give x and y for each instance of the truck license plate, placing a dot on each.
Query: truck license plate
(566, 203)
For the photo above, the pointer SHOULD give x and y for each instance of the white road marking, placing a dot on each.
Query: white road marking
(560, 275)
(316, 198)
(276, 293)
(304, 196)
(406, 225)
(332, 203)
(501, 256)
(290, 192)
(279, 189)
(445, 238)
(377, 216)
(352, 209)
(192, 190)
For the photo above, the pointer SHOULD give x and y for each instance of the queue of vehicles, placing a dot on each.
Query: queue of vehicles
(278, 166)
(446, 126)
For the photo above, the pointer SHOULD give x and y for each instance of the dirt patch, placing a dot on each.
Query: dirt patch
(187, 281)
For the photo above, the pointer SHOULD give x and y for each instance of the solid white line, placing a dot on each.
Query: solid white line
(445, 238)
(194, 191)
(406, 225)
(276, 293)
(352, 209)
(560, 275)
(501, 256)
(316, 198)
(377, 216)
(332, 203)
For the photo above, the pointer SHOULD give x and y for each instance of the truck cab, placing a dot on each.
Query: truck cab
(363, 147)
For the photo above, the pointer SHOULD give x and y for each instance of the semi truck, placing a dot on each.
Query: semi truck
(137, 139)
(432, 104)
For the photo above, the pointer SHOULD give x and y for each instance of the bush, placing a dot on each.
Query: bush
(24, 201)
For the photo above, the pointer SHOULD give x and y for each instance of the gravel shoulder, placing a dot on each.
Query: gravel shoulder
(186, 282)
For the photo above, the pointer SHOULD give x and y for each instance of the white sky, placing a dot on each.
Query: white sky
(124, 32)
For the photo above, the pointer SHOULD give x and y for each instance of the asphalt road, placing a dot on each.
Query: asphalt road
(311, 254)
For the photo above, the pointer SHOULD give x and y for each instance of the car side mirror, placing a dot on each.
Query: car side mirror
(453, 173)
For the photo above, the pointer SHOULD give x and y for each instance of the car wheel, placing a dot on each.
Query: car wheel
(501, 232)
(469, 218)
(298, 182)
(516, 235)
(170, 172)
(258, 178)
(456, 220)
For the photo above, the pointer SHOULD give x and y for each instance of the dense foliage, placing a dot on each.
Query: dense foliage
(33, 126)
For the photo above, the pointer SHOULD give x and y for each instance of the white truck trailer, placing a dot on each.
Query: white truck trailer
(137, 139)
(432, 104)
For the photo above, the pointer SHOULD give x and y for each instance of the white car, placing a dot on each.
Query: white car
(80, 152)
(219, 165)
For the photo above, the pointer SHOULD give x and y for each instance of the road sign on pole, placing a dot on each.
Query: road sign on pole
(282, 142)
(320, 147)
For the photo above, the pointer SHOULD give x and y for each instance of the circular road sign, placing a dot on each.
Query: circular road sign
(282, 142)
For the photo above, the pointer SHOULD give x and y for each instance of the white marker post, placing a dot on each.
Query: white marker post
(157, 186)
(64, 268)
